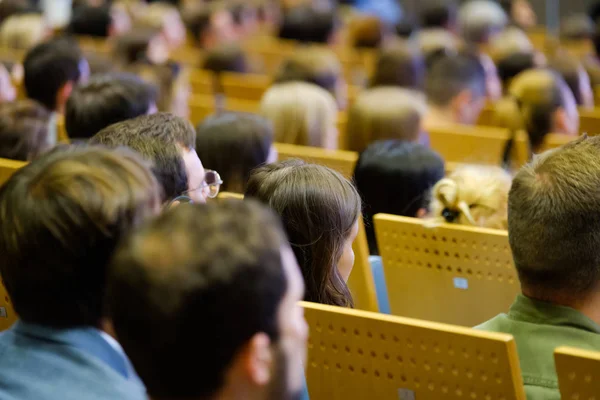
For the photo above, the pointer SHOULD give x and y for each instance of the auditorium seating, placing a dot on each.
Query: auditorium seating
(361, 282)
(357, 355)
(7, 313)
(339, 160)
(450, 273)
(9, 167)
(578, 373)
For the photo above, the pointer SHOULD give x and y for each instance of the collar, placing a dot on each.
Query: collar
(540, 312)
(86, 339)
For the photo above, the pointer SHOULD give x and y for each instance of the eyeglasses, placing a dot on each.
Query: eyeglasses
(211, 185)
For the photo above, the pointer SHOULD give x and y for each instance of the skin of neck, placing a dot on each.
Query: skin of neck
(438, 116)
(588, 305)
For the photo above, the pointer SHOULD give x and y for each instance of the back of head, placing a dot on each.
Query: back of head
(436, 41)
(480, 20)
(473, 195)
(48, 67)
(307, 24)
(384, 113)
(62, 217)
(132, 47)
(576, 78)
(368, 32)
(9, 8)
(395, 177)
(198, 282)
(93, 21)
(226, 58)
(317, 65)
(304, 195)
(400, 64)
(172, 84)
(513, 64)
(23, 31)
(510, 41)
(105, 100)
(302, 114)
(438, 14)
(577, 27)
(553, 223)
(160, 138)
(23, 130)
(453, 74)
(234, 144)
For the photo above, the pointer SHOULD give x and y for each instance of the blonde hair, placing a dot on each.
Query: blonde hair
(384, 113)
(512, 40)
(153, 15)
(22, 32)
(302, 114)
(472, 195)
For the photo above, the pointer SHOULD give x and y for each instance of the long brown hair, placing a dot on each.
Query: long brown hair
(318, 207)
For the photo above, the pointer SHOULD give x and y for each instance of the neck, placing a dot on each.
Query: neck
(588, 305)
(438, 116)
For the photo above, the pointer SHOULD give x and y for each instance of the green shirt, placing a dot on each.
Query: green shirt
(539, 328)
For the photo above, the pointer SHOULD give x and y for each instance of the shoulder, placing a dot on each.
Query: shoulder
(495, 324)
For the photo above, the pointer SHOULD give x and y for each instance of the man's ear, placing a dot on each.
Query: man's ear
(560, 121)
(257, 358)
(421, 213)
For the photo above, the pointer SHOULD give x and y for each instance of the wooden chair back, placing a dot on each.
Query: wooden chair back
(339, 160)
(578, 373)
(9, 167)
(358, 355)
(244, 86)
(589, 121)
(361, 282)
(202, 82)
(230, 195)
(453, 274)
(7, 313)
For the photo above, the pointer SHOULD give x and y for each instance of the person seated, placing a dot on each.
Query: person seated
(439, 14)
(520, 13)
(235, 144)
(400, 64)
(368, 32)
(508, 42)
(181, 274)
(577, 28)
(23, 130)
(512, 65)
(539, 103)
(385, 113)
(64, 215)
(319, 66)
(105, 100)
(52, 70)
(169, 143)
(23, 31)
(553, 235)
(245, 17)
(304, 195)
(473, 195)
(226, 58)
(211, 25)
(173, 84)
(395, 177)
(493, 84)
(456, 90)
(8, 92)
(576, 78)
(140, 45)
(9, 8)
(98, 21)
(479, 21)
(302, 114)
(307, 24)
(435, 42)
(166, 19)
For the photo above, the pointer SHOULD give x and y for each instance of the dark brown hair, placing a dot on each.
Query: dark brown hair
(318, 207)
(400, 65)
(23, 130)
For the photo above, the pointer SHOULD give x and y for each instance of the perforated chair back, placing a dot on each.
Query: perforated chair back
(358, 355)
(230, 195)
(452, 274)
(244, 86)
(589, 121)
(339, 160)
(578, 373)
(361, 282)
(9, 167)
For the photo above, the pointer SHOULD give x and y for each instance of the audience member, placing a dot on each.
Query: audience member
(304, 195)
(302, 114)
(95, 21)
(319, 66)
(234, 144)
(554, 238)
(9, 8)
(480, 21)
(576, 78)
(168, 142)
(173, 86)
(520, 12)
(105, 100)
(245, 17)
(140, 45)
(385, 113)
(395, 177)
(309, 25)
(211, 25)
(433, 42)
(226, 58)
(23, 130)
(512, 65)
(368, 32)
(436, 14)
(52, 70)
(539, 103)
(493, 84)
(472, 195)
(8, 92)
(166, 19)
(205, 299)
(577, 27)
(23, 31)
(400, 64)
(63, 215)
(456, 90)
(510, 41)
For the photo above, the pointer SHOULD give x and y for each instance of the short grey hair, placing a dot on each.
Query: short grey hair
(480, 19)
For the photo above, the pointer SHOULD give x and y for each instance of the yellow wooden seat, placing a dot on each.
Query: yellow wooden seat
(339, 160)
(230, 195)
(578, 373)
(361, 282)
(201, 106)
(61, 131)
(7, 312)
(244, 86)
(453, 274)
(358, 355)
(202, 82)
(9, 167)
(589, 121)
